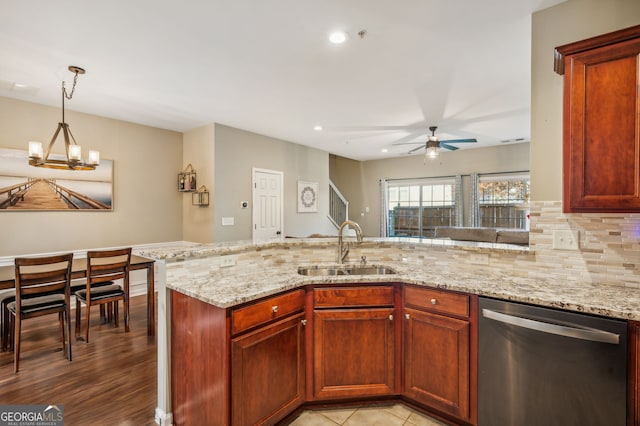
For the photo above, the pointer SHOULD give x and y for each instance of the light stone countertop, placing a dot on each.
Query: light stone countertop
(190, 271)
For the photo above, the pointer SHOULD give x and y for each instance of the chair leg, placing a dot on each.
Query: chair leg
(116, 314)
(78, 307)
(61, 322)
(12, 328)
(16, 353)
(88, 315)
(5, 326)
(67, 315)
(126, 313)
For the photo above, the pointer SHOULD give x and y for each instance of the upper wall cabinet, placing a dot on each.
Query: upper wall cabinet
(601, 122)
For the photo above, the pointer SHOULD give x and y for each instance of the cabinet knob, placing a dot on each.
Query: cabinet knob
(274, 309)
(304, 322)
(391, 317)
(434, 301)
(407, 316)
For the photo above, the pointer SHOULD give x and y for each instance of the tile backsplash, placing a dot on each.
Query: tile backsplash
(609, 245)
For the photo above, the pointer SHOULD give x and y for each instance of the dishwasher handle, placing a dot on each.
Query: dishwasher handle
(576, 332)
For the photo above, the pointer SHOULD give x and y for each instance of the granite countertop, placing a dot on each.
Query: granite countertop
(226, 287)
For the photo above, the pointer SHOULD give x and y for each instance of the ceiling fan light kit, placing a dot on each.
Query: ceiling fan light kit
(433, 144)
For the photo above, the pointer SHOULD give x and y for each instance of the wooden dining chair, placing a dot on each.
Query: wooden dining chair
(104, 266)
(42, 288)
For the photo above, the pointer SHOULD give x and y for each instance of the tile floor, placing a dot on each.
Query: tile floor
(392, 415)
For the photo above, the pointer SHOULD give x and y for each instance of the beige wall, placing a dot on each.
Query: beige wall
(568, 22)
(237, 152)
(365, 194)
(147, 205)
(199, 147)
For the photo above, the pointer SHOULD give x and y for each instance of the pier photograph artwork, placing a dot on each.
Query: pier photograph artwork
(24, 187)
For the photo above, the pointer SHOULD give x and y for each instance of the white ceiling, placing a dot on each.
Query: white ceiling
(267, 66)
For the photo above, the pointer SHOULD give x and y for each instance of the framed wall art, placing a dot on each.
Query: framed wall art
(307, 197)
(24, 187)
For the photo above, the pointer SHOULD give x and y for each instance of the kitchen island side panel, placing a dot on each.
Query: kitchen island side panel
(199, 362)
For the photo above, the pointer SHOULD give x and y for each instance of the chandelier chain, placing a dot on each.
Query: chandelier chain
(73, 88)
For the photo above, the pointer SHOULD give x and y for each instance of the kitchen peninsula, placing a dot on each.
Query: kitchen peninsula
(220, 293)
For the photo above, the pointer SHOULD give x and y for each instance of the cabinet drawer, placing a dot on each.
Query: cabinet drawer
(262, 312)
(353, 296)
(439, 301)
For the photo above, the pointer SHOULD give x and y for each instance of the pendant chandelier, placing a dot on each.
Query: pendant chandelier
(73, 151)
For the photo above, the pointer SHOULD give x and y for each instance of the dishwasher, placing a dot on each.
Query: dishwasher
(543, 367)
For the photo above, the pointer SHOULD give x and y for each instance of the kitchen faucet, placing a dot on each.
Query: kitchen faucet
(343, 249)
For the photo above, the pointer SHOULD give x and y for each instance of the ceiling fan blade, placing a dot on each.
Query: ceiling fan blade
(473, 140)
(410, 137)
(407, 143)
(449, 147)
(417, 149)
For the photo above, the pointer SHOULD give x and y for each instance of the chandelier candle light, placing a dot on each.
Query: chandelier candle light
(73, 151)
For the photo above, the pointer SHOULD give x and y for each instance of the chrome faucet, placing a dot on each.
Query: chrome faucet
(343, 249)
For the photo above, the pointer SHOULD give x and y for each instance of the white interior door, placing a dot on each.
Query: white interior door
(267, 204)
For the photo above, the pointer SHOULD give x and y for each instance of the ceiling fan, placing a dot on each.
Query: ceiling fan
(433, 145)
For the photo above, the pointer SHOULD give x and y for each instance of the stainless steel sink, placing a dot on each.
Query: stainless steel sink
(345, 270)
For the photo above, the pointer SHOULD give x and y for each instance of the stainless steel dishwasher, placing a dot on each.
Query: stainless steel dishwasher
(541, 366)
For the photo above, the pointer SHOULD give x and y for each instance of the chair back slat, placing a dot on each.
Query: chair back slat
(42, 275)
(108, 265)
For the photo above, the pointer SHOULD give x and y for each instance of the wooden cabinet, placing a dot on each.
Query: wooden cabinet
(255, 364)
(243, 366)
(354, 342)
(601, 122)
(439, 355)
(267, 372)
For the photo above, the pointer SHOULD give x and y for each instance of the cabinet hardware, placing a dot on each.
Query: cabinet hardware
(274, 309)
(391, 317)
(407, 316)
(304, 322)
(434, 301)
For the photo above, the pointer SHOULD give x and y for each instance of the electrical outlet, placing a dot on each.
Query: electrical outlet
(565, 239)
(226, 261)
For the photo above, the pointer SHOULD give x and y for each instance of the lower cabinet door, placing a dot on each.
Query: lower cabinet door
(437, 362)
(267, 373)
(353, 352)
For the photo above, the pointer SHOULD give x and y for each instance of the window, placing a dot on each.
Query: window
(500, 197)
(417, 207)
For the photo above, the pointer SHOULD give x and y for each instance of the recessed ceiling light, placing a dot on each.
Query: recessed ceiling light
(385, 150)
(317, 128)
(337, 37)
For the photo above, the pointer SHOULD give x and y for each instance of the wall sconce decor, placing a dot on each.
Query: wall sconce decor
(187, 179)
(200, 197)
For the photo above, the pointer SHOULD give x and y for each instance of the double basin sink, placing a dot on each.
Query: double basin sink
(345, 270)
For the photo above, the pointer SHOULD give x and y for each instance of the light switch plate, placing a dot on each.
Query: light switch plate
(228, 221)
(565, 239)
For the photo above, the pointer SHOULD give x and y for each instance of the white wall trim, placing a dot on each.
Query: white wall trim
(137, 280)
(82, 253)
(162, 418)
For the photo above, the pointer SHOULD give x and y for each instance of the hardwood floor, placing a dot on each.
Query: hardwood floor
(111, 380)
